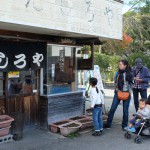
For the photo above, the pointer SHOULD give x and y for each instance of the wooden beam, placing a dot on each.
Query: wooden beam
(15, 36)
(92, 55)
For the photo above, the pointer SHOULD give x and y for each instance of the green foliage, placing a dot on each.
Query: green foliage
(108, 65)
(86, 47)
(73, 135)
(102, 60)
(136, 25)
(140, 6)
(114, 60)
(129, 14)
(145, 58)
(96, 48)
(146, 9)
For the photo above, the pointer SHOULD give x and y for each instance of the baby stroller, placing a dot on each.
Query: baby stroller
(143, 130)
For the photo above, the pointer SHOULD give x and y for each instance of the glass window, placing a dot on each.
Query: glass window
(22, 82)
(60, 76)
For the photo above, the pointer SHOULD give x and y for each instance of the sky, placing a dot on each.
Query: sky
(125, 7)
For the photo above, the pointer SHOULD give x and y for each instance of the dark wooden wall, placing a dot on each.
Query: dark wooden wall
(2, 106)
(59, 107)
(26, 104)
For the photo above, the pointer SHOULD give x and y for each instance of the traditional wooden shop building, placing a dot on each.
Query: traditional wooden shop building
(40, 43)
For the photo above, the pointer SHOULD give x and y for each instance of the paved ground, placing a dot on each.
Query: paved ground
(111, 139)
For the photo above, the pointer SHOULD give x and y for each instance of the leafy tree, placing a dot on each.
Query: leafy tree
(145, 58)
(138, 28)
(135, 25)
(102, 60)
(116, 47)
(108, 65)
(139, 6)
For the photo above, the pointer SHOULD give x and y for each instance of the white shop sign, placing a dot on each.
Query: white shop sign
(102, 18)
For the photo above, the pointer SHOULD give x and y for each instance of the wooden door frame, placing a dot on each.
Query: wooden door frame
(6, 97)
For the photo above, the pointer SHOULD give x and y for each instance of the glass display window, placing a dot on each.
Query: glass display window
(60, 74)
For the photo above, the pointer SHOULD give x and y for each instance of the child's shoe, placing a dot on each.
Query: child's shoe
(132, 130)
(127, 128)
(97, 133)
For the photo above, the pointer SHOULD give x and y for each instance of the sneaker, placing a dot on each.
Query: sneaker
(97, 133)
(132, 130)
(126, 128)
(101, 130)
(107, 126)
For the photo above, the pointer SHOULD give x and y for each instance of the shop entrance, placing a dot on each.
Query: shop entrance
(22, 95)
(20, 65)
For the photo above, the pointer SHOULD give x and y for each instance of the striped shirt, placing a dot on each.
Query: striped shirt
(137, 85)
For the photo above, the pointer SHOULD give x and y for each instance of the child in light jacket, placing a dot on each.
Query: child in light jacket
(97, 101)
(143, 112)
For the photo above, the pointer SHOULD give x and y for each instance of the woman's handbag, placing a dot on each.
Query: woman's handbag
(123, 95)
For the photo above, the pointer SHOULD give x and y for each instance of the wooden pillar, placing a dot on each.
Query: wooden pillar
(92, 54)
(5, 75)
(38, 82)
(38, 95)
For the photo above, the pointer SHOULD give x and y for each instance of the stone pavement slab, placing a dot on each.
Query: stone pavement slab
(112, 139)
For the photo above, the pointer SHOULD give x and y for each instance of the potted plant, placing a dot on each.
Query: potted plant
(70, 128)
(4, 131)
(85, 50)
(5, 121)
(78, 118)
(86, 123)
(54, 127)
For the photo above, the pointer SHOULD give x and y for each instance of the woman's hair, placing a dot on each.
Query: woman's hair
(93, 81)
(125, 62)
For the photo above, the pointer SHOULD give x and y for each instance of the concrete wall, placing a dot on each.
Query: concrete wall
(102, 18)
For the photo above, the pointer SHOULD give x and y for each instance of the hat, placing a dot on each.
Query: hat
(138, 63)
(138, 60)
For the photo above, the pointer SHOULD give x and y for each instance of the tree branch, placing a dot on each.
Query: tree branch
(134, 5)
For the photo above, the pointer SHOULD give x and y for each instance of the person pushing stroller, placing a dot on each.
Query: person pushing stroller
(143, 112)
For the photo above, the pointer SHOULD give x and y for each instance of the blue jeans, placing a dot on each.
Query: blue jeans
(97, 118)
(113, 108)
(136, 92)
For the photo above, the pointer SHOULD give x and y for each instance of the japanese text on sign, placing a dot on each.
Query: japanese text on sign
(20, 61)
(62, 60)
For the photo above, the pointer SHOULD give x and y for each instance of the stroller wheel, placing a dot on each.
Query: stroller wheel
(138, 140)
(127, 135)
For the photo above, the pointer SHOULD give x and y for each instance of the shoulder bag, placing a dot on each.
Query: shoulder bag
(122, 95)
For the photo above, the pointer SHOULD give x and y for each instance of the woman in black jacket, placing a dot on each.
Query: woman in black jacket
(123, 80)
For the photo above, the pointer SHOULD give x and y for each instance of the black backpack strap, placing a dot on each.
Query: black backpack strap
(138, 72)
